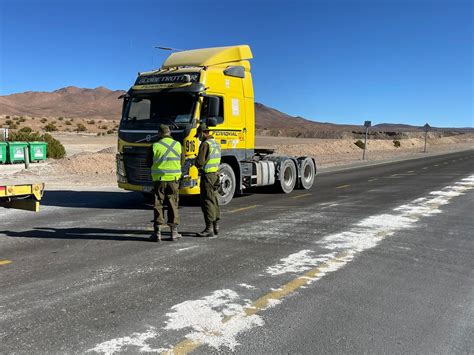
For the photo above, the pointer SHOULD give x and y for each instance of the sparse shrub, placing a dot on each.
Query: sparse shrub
(110, 131)
(7, 116)
(32, 118)
(44, 120)
(103, 127)
(98, 134)
(50, 127)
(23, 136)
(25, 130)
(360, 144)
(396, 143)
(80, 127)
(9, 122)
(91, 122)
(55, 149)
(22, 119)
(68, 123)
(60, 118)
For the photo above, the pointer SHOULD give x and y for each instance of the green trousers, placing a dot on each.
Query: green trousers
(209, 203)
(166, 193)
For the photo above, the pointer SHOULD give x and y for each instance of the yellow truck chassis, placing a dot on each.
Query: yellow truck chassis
(24, 197)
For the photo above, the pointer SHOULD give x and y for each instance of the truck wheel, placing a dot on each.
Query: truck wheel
(308, 173)
(288, 176)
(227, 184)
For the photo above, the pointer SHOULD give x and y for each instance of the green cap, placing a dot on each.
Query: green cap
(164, 129)
(202, 127)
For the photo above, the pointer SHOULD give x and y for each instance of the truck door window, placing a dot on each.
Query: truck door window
(205, 106)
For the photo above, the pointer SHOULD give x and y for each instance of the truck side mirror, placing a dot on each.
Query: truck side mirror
(213, 106)
(211, 121)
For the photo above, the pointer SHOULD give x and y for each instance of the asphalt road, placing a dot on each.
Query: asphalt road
(376, 259)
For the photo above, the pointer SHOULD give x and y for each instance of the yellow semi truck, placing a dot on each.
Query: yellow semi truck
(211, 85)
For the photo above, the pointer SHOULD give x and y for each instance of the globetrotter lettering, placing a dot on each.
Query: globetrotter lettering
(163, 79)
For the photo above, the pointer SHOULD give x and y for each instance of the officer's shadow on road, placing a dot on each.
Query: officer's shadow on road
(96, 199)
(89, 234)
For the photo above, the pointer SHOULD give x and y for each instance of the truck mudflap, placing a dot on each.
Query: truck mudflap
(23, 197)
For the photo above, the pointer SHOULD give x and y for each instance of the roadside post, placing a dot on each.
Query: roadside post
(426, 127)
(4, 134)
(26, 153)
(367, 124)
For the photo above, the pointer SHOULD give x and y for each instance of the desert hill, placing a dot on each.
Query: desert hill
(71, 101)
(102, 103)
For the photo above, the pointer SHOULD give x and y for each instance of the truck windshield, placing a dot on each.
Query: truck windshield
(148, 111)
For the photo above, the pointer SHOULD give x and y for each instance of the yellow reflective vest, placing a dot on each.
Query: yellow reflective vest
(212, 164)
(166, 160)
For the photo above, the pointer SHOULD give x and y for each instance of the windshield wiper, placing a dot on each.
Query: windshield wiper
(170, 121)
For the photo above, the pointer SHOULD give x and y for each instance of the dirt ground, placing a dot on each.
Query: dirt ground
(90, 160)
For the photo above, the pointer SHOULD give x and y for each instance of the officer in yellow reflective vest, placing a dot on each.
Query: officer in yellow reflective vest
(207, 161)
(168, 159)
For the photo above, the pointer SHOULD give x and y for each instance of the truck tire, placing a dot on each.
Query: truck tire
(288, 176)
(227, 184)
(308, 172)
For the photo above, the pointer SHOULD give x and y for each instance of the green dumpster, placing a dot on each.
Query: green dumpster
(3, 152)
(37, 151)
(16, 152)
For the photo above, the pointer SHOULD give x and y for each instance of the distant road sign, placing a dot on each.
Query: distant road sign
(367, 123)
(426, 127)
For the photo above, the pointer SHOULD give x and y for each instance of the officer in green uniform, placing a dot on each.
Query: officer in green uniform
(207, 161)
(168, 159)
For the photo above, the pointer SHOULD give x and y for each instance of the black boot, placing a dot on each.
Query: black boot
(216, 228)
(208, 232)
(156, 236)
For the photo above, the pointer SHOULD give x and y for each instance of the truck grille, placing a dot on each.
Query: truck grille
(136, 167)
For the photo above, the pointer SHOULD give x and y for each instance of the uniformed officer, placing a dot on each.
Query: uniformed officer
(207, 161)
(168, 159)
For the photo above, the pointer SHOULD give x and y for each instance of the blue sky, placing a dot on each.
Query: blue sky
(339, 61)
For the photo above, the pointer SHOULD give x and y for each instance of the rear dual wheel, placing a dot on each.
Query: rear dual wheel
(308, 172)
(288, 176)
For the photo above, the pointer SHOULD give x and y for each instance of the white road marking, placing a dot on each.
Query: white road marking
(205, 318)
(218, 318)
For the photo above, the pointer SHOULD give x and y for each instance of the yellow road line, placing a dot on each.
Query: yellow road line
(5, 262)
(342, 186)
(262, 303)
(243, 209)
(299, 196)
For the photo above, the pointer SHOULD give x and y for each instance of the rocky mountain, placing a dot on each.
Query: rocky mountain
(70, 101)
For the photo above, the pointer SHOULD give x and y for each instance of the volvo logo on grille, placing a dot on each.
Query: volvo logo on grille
(148, 137)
